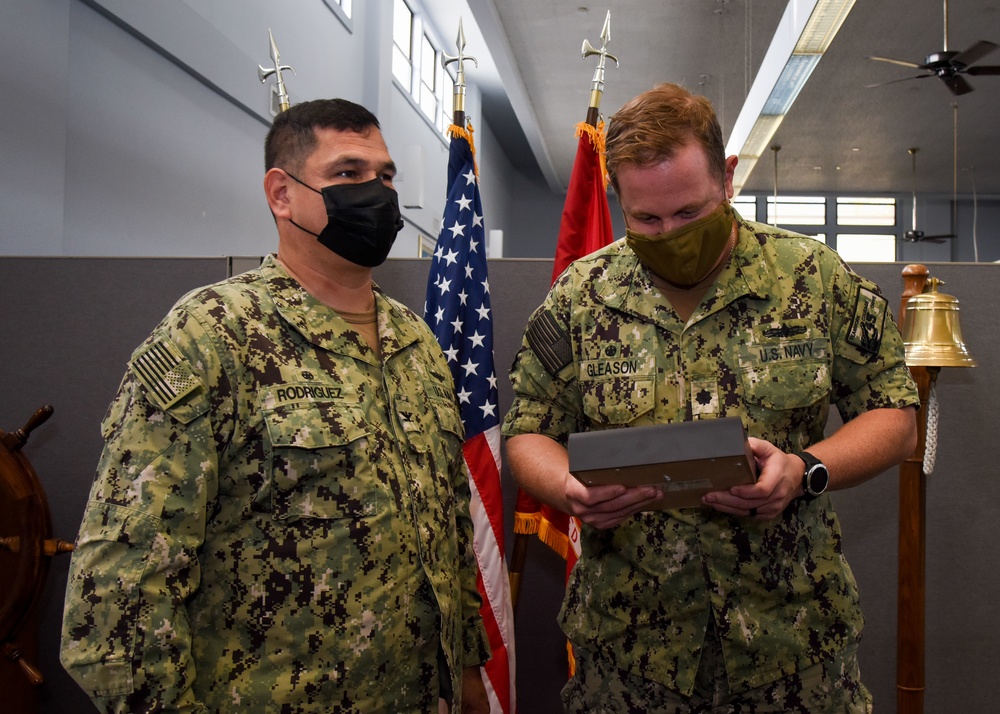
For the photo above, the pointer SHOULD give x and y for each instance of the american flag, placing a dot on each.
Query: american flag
(458, 310)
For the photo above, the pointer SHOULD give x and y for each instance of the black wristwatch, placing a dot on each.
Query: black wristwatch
(816, 478)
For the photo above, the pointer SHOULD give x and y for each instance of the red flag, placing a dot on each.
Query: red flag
(585, 227)
(586, 219)
(458, 310)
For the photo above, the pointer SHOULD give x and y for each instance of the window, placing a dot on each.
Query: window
(862, 229)
(866, 211)
(746, 207)
(428, 75)
(866, 247)
(402, 50)
(417, 66)
(344, 5)
(447, 97)
(796, 210)
(342, 10)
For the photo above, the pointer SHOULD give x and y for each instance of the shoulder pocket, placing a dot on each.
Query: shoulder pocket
(168, 380)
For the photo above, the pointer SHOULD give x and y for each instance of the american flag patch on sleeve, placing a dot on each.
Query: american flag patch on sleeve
(549, 342)
(165, 373)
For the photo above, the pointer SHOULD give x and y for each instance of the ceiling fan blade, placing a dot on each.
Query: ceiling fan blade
(982, 70)
(916, 236)
(957, 84)
(893, 81)
(914, 65)
(974, 53)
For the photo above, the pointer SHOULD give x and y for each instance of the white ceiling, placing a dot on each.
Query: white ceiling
(839, 135)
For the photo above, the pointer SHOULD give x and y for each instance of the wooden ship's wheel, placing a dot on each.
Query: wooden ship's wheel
(26, 543)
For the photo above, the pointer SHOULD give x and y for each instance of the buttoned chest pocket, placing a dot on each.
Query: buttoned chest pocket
(434, 435)
(433, 425)
(320, 464)
(617, 400)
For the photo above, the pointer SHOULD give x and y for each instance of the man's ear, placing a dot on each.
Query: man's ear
(731, 162)
(276, 191)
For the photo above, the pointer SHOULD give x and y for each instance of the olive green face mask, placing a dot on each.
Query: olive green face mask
(686, 255)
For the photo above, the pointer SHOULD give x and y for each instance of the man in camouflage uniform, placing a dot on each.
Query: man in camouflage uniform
(280, 519)
(745, 604)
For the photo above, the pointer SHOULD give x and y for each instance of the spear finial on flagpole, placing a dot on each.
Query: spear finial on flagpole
(597, 85)
(458, 108)
(276, 70)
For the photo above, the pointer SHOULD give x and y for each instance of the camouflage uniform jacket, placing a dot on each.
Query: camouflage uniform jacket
(786, 330)
(280, 519)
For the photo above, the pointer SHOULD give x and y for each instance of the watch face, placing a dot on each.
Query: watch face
(818, 478)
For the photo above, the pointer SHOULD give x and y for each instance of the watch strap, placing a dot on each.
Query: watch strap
(810, 462)
(808, 459)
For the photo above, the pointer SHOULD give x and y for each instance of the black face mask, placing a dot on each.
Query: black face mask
(362, 220)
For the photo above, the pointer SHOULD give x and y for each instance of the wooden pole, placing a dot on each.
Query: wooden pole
(912, 536)
(516, 565)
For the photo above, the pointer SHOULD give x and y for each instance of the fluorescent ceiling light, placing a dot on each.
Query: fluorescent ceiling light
(760, 136)
(790, 82)
(804, 33)
(823, 25)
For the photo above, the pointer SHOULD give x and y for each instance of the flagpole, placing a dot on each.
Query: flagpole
(597, 84)
(458, 282)
(458, 96)
(263, 73)
(520, 549)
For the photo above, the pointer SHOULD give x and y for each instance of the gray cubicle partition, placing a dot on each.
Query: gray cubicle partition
(70, 325)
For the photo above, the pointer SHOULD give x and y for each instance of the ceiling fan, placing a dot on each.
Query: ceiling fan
(949, 66)
(917, 236)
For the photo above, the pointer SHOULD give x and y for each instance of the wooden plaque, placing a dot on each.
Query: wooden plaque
(685, 460)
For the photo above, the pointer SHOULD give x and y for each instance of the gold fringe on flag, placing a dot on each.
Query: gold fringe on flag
(571, 657)
(549, 533)
(596, 136)
(455, 130)
(553, 537)
(527, 523)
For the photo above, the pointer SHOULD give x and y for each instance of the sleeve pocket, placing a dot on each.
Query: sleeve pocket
(102, 597)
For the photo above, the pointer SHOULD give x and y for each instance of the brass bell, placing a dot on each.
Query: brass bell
(932, 336)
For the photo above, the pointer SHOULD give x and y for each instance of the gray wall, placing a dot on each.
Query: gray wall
(71, 324)
(136, 129)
